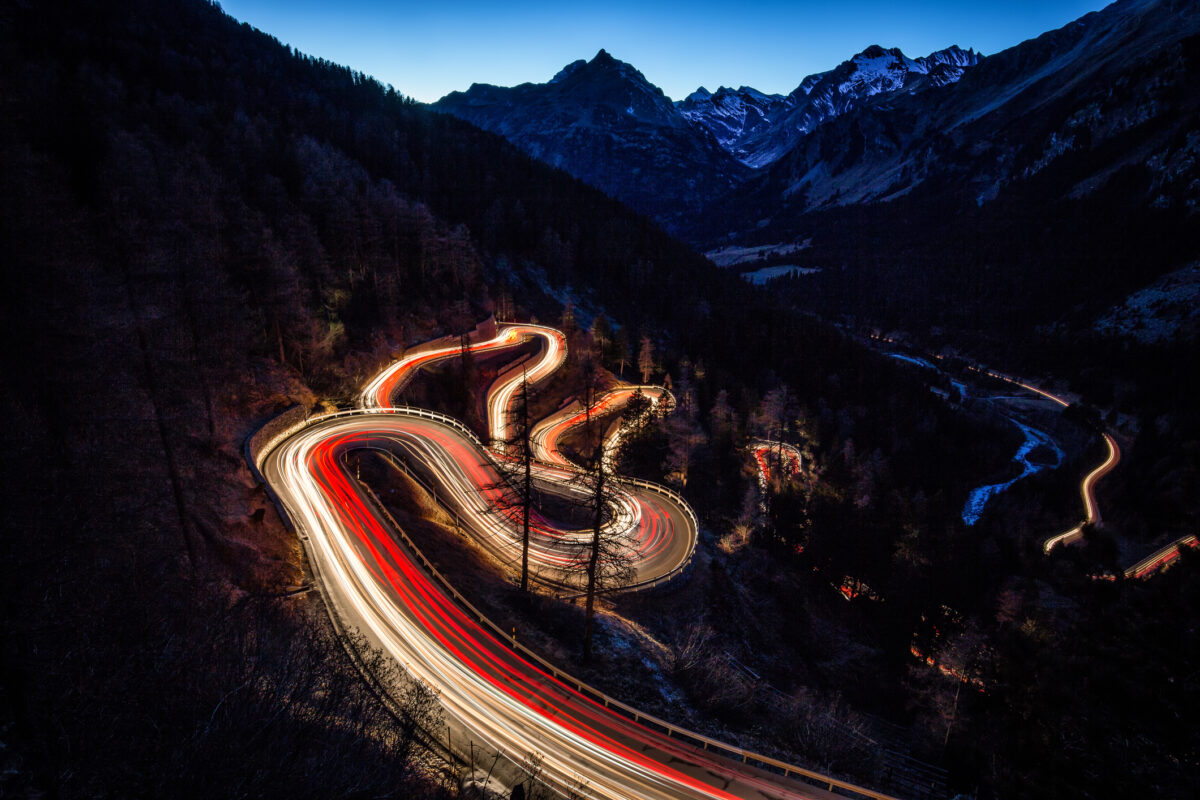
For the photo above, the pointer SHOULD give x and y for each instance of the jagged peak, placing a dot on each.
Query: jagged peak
(877, 51)
(745, 91)
(750, 91)
(698, 96)
(954, 56)
(568, 70)
(602, 71)
(860, 67)
(603, 63)
(724, 91)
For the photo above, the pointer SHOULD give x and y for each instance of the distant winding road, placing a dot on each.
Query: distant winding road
(1155, 562)
(1088, 490)
(1148, 566)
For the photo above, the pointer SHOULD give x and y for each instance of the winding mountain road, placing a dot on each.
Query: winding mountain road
(547, 433)
(787, 455)
(494, 690)
(1148, 566)
(1088, 490)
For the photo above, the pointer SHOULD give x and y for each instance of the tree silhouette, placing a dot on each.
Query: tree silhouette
(646, 358)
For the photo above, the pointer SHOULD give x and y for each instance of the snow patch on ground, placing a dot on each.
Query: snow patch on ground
(1164, 310)
(628, 637)
(1054, 148)
(733, 256)
(760, 276)
(1033, 439)
(920, 362)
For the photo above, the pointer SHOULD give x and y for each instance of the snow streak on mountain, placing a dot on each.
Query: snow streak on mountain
(758, 128)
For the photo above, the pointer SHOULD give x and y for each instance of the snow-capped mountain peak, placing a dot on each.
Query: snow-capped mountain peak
(876, 70)
(757, 128)
(607, 97)
(606, 123)
(954, 56)
(733, 115)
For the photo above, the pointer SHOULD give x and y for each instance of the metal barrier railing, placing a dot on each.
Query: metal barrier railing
(648, 720)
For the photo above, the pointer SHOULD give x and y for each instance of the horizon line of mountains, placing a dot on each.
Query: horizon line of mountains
(1107, 103)
(755, 128)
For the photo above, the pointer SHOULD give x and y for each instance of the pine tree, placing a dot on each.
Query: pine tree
(521, 427)
(646, 358)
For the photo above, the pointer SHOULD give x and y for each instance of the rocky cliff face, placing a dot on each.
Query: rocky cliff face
(738, 118)
(603, 122)
(758, 129)
(1104, 111)
(1117, 89)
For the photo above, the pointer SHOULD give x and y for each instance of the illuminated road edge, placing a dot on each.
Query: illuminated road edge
(1088, 486)
(372, 579)
(1155, 562)
(1162, 558)
(789, 456)
(1088, 490)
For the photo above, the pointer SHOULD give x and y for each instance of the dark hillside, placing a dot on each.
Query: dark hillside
(1059, 175)
(201, 228)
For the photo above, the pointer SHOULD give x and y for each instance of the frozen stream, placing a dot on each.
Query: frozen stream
(1033, 438)
(979, 497)
(920, 362)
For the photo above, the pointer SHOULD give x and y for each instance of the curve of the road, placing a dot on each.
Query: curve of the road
(657, 525)
(1087, 488)
(787, 455)
(374, 580)
(1148, 566)
(549, 431)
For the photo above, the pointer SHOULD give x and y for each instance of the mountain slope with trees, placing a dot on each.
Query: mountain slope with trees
(1063, 166)
(202, 228)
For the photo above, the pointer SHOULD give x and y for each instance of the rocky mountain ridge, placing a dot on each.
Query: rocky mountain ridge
(1015, 157)
(758, 128)
(603, 122)
(1115, 89)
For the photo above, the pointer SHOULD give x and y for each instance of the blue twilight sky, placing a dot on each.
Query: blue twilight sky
(427, 50)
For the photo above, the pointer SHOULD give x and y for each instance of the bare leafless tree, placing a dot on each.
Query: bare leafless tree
(605, 557)
(515, 493)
